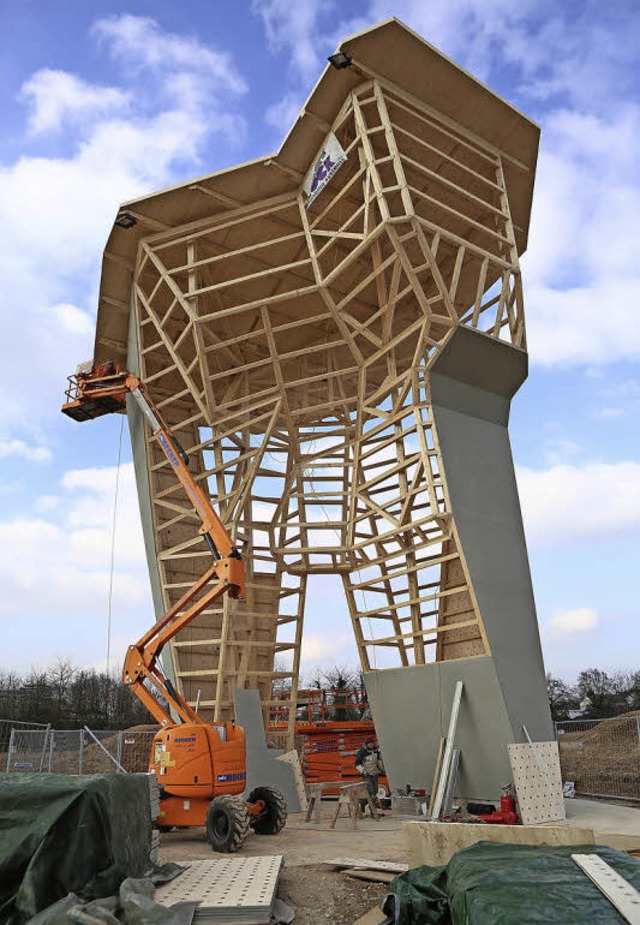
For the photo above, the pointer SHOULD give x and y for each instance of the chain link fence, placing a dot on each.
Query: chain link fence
(6, 728)
(601, 756)
(78, 751)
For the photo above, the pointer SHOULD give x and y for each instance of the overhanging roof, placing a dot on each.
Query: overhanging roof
(389, 51)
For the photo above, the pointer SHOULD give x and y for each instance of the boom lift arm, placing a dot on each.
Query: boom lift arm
(103, 390)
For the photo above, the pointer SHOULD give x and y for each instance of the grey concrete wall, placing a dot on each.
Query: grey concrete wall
(411, 709)
(263, 770)
(472, 383)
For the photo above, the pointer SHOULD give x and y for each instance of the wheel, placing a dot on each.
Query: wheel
(382, 793)
(227, 823)
(274, 815)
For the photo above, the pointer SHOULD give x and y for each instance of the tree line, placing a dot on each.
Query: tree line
(69, 697)
(596, 694)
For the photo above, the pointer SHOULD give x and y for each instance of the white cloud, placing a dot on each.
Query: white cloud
(581, 270)
(55, 567)
(283, 113)
(140, 43)
(293, 27)
(561, 449)
(621, 397)
(56, 211)
(56, 97)
(586, 502)
(23, 450)
(332, 647)
(571, 623)
(73, 319)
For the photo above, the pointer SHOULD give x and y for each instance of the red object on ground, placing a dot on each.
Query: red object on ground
(506, 815)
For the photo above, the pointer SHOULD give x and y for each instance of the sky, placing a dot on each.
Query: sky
(102, 102)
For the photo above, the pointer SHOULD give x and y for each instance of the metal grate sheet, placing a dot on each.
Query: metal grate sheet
(228, 889)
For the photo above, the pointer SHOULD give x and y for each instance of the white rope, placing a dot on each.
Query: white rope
(113, 546)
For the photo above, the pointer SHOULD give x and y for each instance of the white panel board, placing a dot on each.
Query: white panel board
(228, 889)
(539, 791)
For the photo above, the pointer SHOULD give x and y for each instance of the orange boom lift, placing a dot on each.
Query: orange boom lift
(200, 767)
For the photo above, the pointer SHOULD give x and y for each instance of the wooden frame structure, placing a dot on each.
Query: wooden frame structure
(290, 348)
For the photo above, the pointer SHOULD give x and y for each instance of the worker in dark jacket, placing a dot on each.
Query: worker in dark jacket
(369, 766)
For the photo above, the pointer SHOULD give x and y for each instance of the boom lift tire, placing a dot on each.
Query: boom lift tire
(273, 817)
(227, 823)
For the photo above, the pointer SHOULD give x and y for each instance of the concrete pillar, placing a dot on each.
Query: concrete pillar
(472, 383)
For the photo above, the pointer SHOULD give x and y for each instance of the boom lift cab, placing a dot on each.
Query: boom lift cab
(200, 767)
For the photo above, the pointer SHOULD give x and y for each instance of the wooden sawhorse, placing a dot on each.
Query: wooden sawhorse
(350, 796)
(315, 792)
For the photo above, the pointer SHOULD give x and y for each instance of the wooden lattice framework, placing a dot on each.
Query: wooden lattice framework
(290, 348)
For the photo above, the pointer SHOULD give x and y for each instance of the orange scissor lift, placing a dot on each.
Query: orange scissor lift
(331, 725)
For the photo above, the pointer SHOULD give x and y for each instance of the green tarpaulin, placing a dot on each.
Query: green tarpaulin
(61, 834)
(508, 885)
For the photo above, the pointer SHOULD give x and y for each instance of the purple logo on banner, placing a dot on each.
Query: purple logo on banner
(328, 161)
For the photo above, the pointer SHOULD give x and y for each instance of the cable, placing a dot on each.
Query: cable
(113, 546)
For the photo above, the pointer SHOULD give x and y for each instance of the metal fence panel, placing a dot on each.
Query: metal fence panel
(6, 728)
(75, 751)
(601, 756)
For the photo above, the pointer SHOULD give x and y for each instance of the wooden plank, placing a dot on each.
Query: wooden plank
(436, 774)
(373, 917)
(373, 876)
(611, 884)
(394, 867)
(448, 752)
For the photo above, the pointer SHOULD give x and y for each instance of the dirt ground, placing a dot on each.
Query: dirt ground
(319, 894)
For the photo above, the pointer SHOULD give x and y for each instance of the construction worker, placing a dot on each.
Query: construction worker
(369, 766)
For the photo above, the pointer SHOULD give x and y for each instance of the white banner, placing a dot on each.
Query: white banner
(326, 164)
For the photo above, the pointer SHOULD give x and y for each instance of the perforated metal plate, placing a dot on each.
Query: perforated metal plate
(228, 889)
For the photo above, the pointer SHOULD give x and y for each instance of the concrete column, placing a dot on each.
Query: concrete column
(472, 383)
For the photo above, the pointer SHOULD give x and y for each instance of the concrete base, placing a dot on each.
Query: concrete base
(614, 824)
(434, 843)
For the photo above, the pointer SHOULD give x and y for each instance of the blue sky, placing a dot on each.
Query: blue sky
(104, 102)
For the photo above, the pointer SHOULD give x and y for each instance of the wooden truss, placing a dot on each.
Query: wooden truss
(289, 349)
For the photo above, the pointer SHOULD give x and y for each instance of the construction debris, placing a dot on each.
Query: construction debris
(375, 876)
(393, 867)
